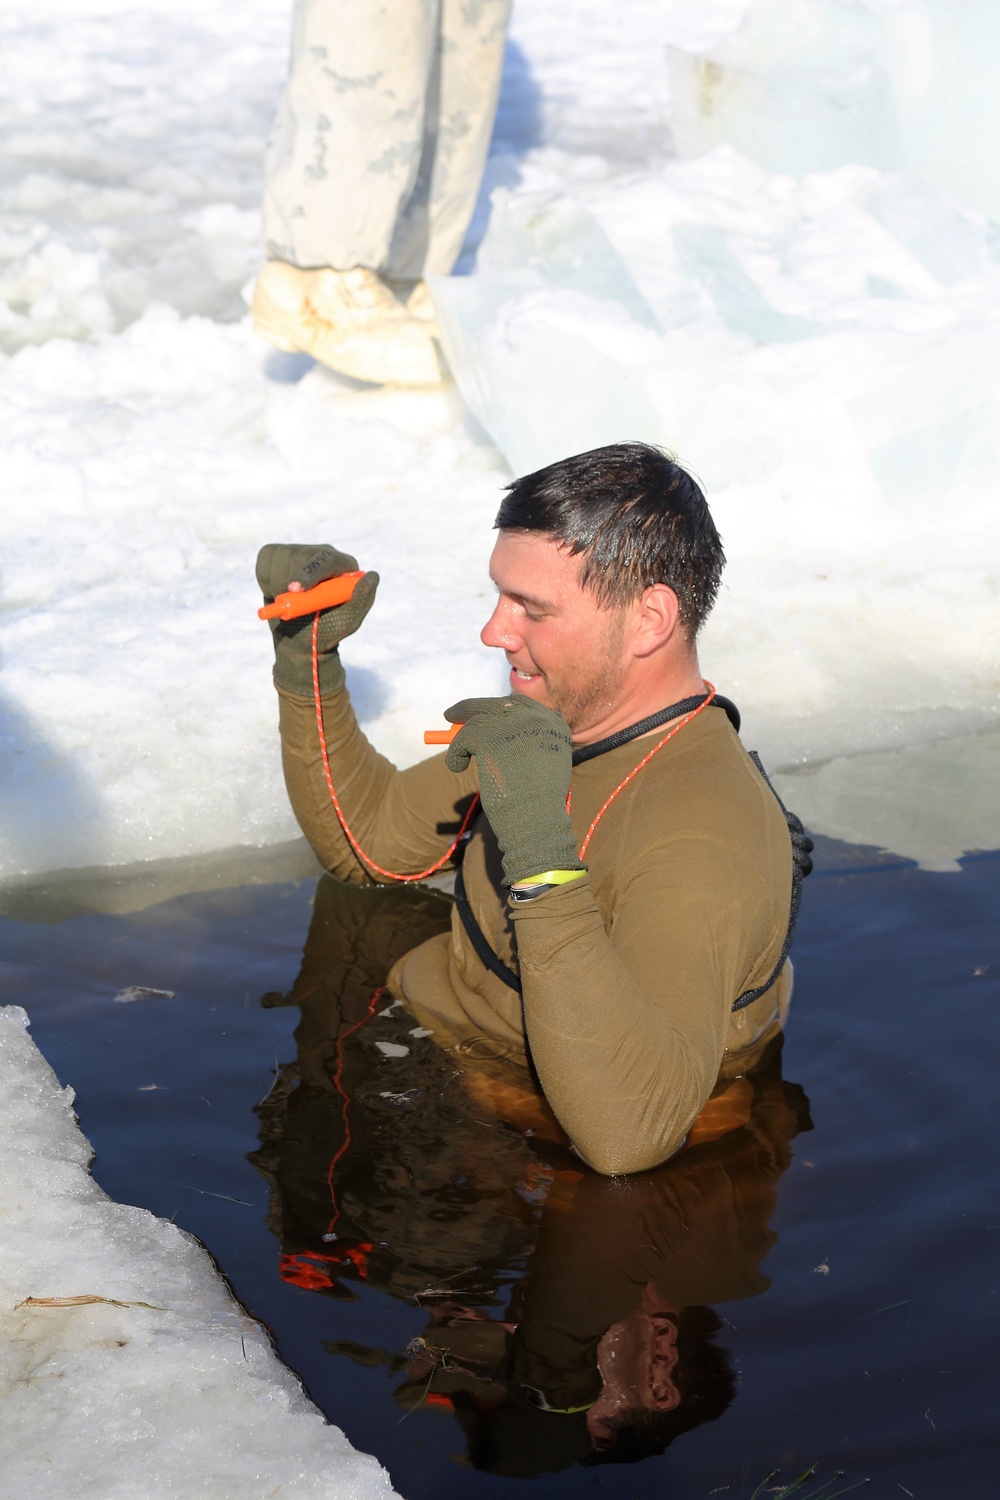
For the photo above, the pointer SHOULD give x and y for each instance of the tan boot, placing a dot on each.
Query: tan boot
(416, 298)
(348, 320)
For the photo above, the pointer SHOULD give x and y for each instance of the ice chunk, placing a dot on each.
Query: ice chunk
(930, 423)
(808, 85)
(142, 992)
(942, 59)
(800, 86)
(545, 239)
(936, 232)
(544, 342)
(705, 253)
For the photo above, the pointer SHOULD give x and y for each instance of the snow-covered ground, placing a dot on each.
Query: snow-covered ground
(127, 1368)
(823, 350)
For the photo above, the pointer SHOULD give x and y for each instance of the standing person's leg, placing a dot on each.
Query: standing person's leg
(458, 123)
(341, 163)
(345, 148)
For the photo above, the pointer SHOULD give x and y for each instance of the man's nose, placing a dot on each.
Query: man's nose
(498, 630)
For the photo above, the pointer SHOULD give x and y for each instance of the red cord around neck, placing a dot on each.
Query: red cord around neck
(644, 762)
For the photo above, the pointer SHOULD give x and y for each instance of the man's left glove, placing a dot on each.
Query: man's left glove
(524, 757)
(279, 565)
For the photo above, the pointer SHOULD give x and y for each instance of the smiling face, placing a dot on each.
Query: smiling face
(637, 1359)
(564, 649)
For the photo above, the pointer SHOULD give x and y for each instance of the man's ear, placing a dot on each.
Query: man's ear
(657, 619)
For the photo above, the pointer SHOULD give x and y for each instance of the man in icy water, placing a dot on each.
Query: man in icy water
(569, 1313)
(623, 914)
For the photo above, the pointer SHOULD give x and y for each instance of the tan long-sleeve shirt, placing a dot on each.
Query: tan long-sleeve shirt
(628, 975)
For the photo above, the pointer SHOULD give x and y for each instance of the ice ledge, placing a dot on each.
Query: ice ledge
(167, 1388)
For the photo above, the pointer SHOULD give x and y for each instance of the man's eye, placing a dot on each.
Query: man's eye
(529, 616)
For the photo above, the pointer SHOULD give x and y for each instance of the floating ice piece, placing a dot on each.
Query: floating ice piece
(143, 992)
(392, 1049)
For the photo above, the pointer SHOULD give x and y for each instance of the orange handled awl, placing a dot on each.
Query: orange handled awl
(441, 736)
(325, 595)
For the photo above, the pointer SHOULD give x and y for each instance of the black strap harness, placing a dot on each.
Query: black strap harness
(802, 846)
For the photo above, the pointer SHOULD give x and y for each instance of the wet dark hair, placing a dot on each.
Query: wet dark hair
(637, 517)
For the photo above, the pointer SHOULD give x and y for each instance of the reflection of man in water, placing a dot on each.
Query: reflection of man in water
(622, 934)
(568, 1315)
(614, 1351)
(637, 1363)
(371, 177)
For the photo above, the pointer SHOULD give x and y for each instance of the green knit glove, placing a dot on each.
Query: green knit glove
(278, 566)
(524, 757)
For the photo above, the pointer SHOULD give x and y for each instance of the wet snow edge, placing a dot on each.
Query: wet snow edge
(181, 1397)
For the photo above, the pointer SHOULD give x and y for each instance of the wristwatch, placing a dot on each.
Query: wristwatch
(530, 892)
(537, 885)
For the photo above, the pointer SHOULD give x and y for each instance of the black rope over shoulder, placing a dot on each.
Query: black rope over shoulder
(802, 846)
(645, 726)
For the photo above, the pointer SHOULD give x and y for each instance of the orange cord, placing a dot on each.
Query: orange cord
(389, 874)
(644, 762)
(338, 1074)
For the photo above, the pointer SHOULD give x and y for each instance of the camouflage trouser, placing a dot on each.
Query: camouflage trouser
(378, 149)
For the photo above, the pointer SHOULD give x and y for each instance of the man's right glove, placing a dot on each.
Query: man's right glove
(524, 757)
(279, 565)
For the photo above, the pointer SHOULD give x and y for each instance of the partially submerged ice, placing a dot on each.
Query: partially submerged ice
(926, 802)
(127, 1367)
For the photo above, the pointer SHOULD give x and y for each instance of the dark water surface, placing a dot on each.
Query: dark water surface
(850, 1272)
